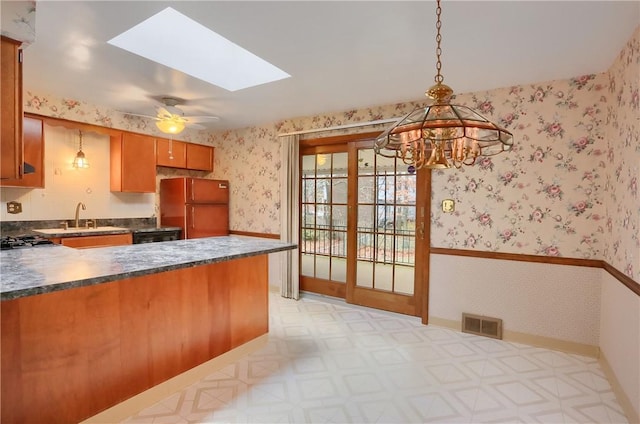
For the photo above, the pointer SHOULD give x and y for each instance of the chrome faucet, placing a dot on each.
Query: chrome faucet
(84, 208)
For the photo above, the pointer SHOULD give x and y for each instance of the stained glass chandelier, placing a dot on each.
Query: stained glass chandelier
(442, 135)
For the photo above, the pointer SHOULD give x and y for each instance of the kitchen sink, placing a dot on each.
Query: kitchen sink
(79, 230)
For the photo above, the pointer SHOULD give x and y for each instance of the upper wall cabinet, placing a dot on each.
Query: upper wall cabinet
(11, 109)
(179, 154)
(171, 153)
(133, 163)
(199, 157)
(33, 141)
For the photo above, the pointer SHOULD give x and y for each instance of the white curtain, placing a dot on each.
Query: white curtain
(289, 215)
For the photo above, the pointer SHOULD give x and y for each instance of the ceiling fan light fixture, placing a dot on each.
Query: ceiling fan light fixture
(170, 125)
(442, 135)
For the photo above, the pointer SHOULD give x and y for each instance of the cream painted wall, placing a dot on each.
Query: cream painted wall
(620, 336)
(66, 186)
(557, 301)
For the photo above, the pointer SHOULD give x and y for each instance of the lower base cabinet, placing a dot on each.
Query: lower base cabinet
(85, 242)
(70, 354)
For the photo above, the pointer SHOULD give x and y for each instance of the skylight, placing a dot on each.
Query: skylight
(177, 41)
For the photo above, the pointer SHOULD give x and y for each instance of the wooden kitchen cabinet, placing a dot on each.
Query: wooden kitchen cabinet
(133, 163)
(199, 157)
(33, 141)
(84, 242)
(171, 153)
(11, 109)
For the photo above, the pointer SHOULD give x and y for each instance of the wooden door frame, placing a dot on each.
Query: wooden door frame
(423, 210)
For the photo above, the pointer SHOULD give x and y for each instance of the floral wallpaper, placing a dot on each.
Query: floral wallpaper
(569, 186)
(621, 247)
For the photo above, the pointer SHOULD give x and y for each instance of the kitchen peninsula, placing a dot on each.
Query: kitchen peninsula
(83, 330)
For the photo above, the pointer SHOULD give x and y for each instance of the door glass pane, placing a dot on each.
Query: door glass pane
(307, 265)
(339, 217)
(385, 165)
(366, 162)
(365, 217)
(383, 277)
(340, 165)
(308, 215)
(309, 164)
(404, 279)
(323, 191)
(366, 189)
(323, 162)
(339, 269)
(385, 219)
(364, 276)
(309, 190)
(405, 248)
(406, 189)
(339, 190)
(405, 219)
(322, 267)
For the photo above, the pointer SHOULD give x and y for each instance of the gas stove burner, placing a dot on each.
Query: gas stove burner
(18, 242)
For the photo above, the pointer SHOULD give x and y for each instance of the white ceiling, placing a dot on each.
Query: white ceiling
(341, 54)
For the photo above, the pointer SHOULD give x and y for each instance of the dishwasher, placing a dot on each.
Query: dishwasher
(152, 236)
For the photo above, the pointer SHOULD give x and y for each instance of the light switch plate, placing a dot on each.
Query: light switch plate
(448, 205)
(14, 207)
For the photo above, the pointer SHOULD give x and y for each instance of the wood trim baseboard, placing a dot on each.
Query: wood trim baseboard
(592, 263)
(529, 339)
(252, 234)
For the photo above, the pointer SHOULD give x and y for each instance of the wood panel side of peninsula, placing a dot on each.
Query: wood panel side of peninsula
(70, 354)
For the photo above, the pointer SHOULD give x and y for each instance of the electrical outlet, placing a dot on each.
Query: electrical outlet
(14, 207)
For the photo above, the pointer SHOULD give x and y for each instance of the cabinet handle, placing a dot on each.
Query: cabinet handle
(193, 195)
(193, 218)
(222, 185)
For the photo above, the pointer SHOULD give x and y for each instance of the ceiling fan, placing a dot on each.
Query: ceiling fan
(171, 120)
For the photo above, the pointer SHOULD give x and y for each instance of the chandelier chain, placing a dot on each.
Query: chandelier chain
(439, 78)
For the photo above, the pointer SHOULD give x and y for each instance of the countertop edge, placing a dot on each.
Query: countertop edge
(32, 291)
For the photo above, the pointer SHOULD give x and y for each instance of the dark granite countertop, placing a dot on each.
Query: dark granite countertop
(44, 269)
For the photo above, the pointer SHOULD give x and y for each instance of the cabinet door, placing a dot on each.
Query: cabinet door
(33, 155)
(199, 157)
(171, 153)
(85, 242)
(133, 163)
(11, 109)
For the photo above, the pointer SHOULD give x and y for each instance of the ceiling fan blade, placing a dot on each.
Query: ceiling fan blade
(173, 110)
(141, 115)
(203, 118)
(163, 113)
(196, 126)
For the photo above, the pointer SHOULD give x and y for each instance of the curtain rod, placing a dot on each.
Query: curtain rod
(341, 127)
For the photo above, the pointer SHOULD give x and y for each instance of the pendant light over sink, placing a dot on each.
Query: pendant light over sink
(80, 161)
(442, 135)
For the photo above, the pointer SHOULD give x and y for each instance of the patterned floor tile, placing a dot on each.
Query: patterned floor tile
(328, 362)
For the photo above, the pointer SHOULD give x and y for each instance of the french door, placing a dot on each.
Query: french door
(363, 227)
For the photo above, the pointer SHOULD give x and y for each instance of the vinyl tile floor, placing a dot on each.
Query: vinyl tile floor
(329, 362)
